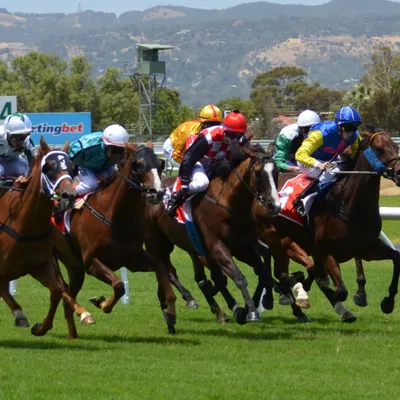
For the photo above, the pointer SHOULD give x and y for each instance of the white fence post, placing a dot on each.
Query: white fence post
(124, 276)
(12, 287)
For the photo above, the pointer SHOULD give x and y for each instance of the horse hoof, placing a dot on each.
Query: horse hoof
(97, 301)
(360, 300)
(303, 303)
(87, 319)
(222, 318)
(192, 304)
(171, 329)
(268, 304)
(285, 300)
(348, 317)
(240, 315)
(21, 323)
(170, 319)
(253, 316)
(303, 318)
(387, 305)
(37, 330)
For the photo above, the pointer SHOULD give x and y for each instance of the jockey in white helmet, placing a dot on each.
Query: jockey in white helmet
(15, 146)
(97, 155)
(290, 139)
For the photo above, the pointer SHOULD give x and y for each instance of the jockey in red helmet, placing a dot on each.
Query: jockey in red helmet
(210, 145)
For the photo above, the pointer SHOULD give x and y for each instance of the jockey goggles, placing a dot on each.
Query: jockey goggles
(116, 149)
(233, 135)
(350, 127)
(19, 138)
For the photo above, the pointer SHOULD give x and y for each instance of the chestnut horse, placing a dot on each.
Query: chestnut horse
(346, 222)
(224, 221)
(26, 235)
(108, 233)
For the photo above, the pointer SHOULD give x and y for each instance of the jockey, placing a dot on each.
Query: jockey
(174, 146)
(211, 144)
(290, 138)
(325, 142)
(97, 156)
(14, 143)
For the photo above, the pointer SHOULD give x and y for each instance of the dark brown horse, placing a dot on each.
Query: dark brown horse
(108, 233)
(346, 222)
(224, 221)
(26, 235)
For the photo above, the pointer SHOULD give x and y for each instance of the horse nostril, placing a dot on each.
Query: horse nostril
(65, 196)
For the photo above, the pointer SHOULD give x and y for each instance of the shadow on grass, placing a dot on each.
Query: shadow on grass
(168, 339)
(45, 345)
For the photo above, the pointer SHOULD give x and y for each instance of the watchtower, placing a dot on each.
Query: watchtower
(149, 78)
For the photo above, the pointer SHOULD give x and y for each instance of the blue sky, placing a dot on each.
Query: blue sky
(120, 6)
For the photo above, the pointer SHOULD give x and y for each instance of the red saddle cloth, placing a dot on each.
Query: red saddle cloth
(180, 215)
(61, 224)
(289, 192)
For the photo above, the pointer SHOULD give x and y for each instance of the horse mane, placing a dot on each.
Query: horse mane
(222, 168)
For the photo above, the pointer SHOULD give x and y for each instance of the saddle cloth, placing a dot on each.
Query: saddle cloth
(288, 194)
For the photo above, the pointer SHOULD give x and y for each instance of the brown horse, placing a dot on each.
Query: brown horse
(26, 235)
(346, 222)
(108, 233)
(224, 221)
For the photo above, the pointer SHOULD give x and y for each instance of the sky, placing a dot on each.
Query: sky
(120, 6)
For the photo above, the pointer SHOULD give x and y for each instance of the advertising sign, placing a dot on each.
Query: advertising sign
(8, 105)
(57, 128)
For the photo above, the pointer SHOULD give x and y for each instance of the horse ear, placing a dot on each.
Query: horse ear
(43, 145)
(150, 144)
(66, 147)
(249, 135)
(366, 134)
(131, 148)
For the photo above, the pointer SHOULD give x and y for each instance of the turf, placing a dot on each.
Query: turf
(129, 355)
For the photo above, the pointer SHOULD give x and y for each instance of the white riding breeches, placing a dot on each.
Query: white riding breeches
(324, 177)
(89, 180)
(168, 149)
(199, 180)
(13, 167)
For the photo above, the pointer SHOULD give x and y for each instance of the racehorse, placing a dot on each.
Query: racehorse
(26, 235)
(346, 222)
(107, 233)
(225, 225)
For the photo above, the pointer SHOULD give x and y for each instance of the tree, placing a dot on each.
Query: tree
(118, 102)
(283, 83)
(236, 103)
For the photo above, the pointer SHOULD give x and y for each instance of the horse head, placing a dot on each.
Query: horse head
(146, 170)
(56, 181)
(263, 178)
(382, 154)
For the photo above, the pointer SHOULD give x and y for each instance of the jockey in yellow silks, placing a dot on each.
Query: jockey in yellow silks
(174, 147)
(325, 142)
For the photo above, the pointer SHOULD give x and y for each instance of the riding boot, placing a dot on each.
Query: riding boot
(298, 203)
(177, 199)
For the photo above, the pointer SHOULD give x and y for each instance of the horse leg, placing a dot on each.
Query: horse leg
(382, 251)
(21, 320)
(281, 272)
(106, 275)
(144, 262)
(360, 297)
(161, 250)
(207, 289)
(330, 294)
(76, 277)
(47, 276)
(223, 259)
(333, 269)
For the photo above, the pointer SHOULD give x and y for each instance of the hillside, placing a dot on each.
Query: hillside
(217, 53)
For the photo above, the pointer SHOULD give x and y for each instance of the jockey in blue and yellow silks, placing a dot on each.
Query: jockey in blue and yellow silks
(324, 143)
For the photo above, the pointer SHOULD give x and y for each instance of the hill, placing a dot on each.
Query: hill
(217, 53)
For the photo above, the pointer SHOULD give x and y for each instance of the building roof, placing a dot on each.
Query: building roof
(285, 120)
(153, 46)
